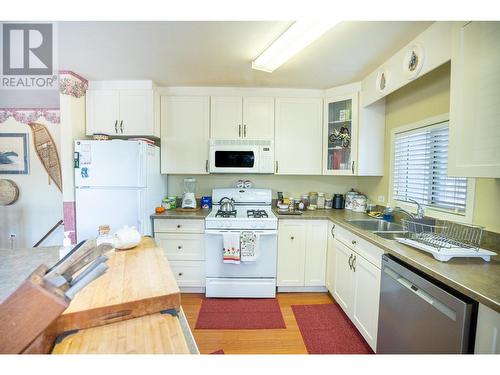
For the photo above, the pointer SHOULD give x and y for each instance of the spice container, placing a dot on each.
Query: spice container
(321, 200)
(313, 200)
(291, 204)
(329, 203)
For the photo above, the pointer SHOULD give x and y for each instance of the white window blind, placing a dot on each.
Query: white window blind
(420, 170)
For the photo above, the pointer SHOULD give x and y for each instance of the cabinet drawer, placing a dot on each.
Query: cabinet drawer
(364, 248)
(180, 225)
(182, 246)
(189, 273)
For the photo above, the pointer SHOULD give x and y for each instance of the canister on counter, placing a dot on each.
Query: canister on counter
(359, 203)
(172, 199)
(206, 202)
(321, 200)
(313, 200)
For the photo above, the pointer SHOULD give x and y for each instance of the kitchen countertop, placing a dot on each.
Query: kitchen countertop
(201, 214)
(473, 277)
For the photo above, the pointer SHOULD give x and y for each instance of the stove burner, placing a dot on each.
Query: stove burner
(225, 214)
(257, 214)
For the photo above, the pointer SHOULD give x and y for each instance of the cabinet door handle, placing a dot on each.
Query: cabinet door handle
(333, 227)
(349, 261)
(121, 126)
(292, 238)
(116, 126)
(244, 131)
(353, 242)
(352, 167)
(180, 274)
(178, 226)
(206, 165)
(354, 263)
(276, 166)
(239, 130)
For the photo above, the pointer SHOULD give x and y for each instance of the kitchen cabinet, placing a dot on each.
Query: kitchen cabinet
(233, 117)
(357, 281)
(330, 260)
(120, 112)
(184, 134)
(298, 136)
(353, 141)
(474, 134)
(183, 241)
(487, 331)
(302, 253)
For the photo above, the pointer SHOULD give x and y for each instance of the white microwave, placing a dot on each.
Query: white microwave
(241, 156)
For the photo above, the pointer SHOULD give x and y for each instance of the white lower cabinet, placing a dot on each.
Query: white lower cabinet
(487, 331)
(183, 241)
(302, 246)
(356, 281)
(330, 260)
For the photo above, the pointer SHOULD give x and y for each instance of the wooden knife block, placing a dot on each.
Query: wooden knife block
(27, 312)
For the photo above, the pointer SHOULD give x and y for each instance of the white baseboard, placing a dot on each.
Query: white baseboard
(302, 289)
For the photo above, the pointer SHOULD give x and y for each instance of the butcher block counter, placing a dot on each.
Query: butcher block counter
(133, 308)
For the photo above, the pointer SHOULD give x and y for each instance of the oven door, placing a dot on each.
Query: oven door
(234, 159)
(264, 266)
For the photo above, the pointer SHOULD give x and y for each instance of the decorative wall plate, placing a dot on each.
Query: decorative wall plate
(413, 61)
(9, 192)
(382, 81)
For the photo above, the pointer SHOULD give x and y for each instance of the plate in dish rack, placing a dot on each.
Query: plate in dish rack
(445, 254)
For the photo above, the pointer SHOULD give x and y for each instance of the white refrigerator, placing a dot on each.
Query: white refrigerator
(117, 183)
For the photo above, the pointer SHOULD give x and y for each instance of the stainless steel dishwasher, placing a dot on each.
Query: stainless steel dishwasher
(417, 316)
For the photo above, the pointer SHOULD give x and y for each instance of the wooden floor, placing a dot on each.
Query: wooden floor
(255, 341)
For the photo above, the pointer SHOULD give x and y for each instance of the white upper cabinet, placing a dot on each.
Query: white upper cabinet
(353, 136)
(233, 117)
(122, 108)
(184, 134)
(474, 140)
(298, 136)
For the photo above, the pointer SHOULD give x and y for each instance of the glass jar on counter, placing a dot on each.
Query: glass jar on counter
(291, 204)
(321, 200)
(313, 200)
(305, 201)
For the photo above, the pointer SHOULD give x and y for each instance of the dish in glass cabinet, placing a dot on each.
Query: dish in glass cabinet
(341, 135)
(413, 61)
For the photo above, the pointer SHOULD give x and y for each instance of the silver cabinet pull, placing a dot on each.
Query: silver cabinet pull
(116, 126)
(121, 126)
(244, 131)
(353, 242)
(352, 167)
(239, 130)
(276, 166)
(333, 227)
(206, 165)
(349, 261)
(354, 263)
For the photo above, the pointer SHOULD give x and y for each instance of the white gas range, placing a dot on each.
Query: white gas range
(252, 213)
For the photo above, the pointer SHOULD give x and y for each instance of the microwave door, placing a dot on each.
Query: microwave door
(234, 161)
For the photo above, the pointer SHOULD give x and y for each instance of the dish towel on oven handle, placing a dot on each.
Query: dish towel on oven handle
(231, 247)
(249, 244)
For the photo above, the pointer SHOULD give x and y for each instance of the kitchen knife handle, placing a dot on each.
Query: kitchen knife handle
(100, 259)
(87, 279)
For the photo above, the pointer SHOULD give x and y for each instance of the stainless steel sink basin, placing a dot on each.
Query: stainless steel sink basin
(390, 235)
(374, 225)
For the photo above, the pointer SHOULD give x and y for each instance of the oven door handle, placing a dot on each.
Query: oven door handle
(259, 232)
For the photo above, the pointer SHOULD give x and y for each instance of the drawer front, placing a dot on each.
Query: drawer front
(180, 225)
(189, 273)
(182, 246)
(364, 248)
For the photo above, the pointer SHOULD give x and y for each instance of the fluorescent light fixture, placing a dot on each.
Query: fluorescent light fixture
(298, 36)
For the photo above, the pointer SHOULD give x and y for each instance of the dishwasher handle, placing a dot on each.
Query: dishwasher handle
(422, 294)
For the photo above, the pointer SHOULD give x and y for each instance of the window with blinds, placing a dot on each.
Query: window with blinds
(420, 170)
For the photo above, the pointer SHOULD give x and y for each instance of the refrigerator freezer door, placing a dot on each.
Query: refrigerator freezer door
(114, 207)
(113, 163)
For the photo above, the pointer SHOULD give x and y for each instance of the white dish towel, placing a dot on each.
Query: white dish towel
(249, 243)
(231, 250)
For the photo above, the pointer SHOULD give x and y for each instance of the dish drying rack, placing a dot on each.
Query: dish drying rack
(445, 239)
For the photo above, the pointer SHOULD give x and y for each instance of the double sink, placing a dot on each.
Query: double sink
(382, 228)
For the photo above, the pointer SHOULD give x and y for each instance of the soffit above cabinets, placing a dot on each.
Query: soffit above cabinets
(220, 53)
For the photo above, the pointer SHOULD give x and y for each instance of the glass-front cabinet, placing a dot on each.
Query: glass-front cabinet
(340, 135)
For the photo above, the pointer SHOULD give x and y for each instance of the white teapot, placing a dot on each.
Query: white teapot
(126, 238)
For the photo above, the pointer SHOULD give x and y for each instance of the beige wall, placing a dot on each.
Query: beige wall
(289, 185)
(429, 96)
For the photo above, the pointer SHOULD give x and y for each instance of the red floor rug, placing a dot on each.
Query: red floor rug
(220, 351)
(326, 329)
(240, 313)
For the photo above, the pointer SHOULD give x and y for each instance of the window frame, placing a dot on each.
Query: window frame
(434, 212)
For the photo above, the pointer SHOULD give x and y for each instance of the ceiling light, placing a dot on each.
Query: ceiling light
(294, 39)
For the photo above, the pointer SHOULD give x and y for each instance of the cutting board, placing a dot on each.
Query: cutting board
(138, 282)
(151, 334)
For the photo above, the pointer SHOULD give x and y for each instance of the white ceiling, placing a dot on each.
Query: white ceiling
(220, 53)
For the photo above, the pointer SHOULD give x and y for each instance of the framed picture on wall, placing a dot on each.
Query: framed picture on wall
(14, 153)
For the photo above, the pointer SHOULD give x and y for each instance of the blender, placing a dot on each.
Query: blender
(188, 198)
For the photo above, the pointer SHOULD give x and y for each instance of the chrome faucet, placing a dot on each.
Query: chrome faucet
(420, 210)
